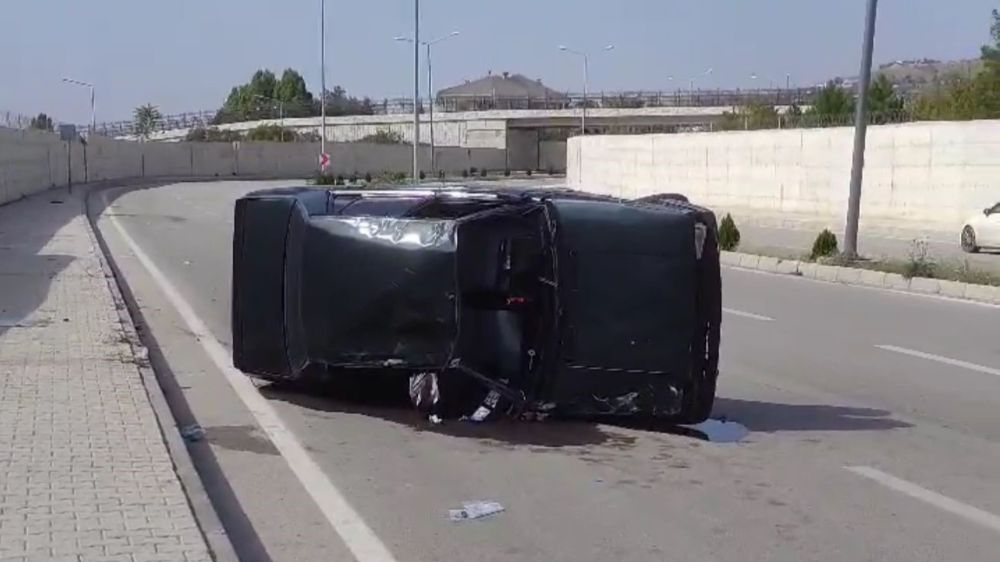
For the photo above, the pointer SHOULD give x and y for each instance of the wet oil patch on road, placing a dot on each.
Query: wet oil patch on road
(716, 431)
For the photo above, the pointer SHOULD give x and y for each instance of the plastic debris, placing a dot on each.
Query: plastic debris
(193, 433)
(435, 419)
(475, 510)
(424, 392)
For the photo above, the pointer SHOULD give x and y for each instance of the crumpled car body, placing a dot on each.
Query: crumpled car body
(521, 302)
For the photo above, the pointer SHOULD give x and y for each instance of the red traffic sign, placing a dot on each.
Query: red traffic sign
(324, 161)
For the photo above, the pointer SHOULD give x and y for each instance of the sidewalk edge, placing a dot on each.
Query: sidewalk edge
(986, 294)
(209, 522)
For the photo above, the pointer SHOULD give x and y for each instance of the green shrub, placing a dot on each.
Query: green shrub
(324, 179)
(368, 177)
(465, 173)
(919, 264)
(482, 173)
(729, 235)
(340, 179)
(825, 245)
(506, 172)
(422, 175)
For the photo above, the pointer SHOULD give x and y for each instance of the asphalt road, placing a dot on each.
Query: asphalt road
(855, 452)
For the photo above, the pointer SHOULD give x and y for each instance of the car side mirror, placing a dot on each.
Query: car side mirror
(986, 211)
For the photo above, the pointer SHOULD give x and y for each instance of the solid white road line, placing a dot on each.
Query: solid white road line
(751, 315)
(955, 507)
(940, 359)
(356, 534)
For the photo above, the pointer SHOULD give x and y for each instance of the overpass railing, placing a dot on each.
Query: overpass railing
(623, 100)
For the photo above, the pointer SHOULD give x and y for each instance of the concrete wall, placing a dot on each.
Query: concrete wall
(552, 156)
(931, 175)
(31, 161)
(522, 149)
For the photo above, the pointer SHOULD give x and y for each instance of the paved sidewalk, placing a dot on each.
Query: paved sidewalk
(85, 474)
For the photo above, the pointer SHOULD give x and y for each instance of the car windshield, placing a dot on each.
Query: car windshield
(446, 280)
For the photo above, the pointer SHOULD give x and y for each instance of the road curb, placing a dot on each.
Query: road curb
(863, 277)
(200, 502)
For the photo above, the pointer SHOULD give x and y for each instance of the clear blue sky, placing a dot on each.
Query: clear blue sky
(185, 55)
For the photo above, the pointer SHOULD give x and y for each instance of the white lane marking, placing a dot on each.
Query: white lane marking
(955, 507)
(359, 538)
(901, 292)
(743, 314)
(940, 359)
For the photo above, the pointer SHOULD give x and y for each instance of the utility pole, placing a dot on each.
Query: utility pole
(586, 81)
(93, 105)
(430, 85)
(860, 132)
(322, 78)
(416, 91)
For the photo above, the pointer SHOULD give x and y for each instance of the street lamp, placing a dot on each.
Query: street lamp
(416, 91)
(586, 81)
(860, 132)
(430, 85)
(93, 106)
(706, 73)
(322, 81)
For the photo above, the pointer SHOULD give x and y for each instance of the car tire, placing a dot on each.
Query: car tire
(699, 398)
(969, 240)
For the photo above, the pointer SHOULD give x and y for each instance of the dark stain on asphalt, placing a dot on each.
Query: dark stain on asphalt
(240, 438)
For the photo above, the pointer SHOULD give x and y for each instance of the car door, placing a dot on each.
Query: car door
(990, 235)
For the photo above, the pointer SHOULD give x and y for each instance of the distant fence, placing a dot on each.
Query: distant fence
(633, 99)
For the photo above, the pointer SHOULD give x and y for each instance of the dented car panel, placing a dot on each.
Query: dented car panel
(530, 301)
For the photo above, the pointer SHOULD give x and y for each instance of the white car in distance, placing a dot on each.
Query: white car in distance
(982, 230)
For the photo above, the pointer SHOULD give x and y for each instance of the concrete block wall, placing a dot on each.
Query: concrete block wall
(552, 156)
(926, 175)
(32, 161)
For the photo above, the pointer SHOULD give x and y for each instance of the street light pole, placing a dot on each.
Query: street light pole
(416, 91)
(430, 85)
(860, 132)
(93, 105)
(586, 81)
(322, 77)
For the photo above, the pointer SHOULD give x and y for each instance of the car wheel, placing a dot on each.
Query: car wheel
(698, 401)
(969, 240)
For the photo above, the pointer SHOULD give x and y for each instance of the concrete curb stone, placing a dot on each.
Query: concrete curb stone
(849, 275)
(922, 285)
(952, 289)
(826, 272)
(750, 261)
(872, 278)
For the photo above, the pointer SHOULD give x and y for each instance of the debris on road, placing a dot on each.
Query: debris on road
(192, 433)
(475, 510)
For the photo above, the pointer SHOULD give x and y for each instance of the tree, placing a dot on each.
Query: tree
(832, 100)
(272, 133)
(977, 97)
(882, 98)
(750, 117)
(145, 119)
(339, 103)
(291, 92)
(250, 101)
(212, 134)
(42, 122)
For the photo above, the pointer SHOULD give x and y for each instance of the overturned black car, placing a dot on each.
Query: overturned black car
(491, 301)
